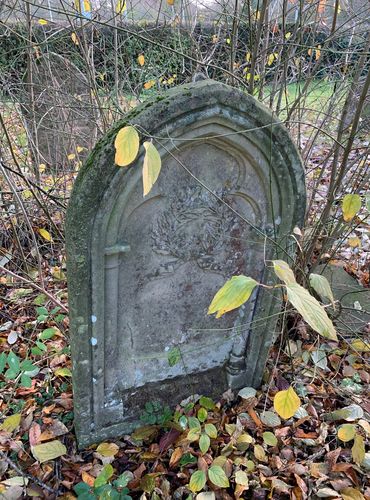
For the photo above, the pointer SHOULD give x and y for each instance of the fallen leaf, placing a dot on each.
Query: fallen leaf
(286, 403)
(48, 451)
(107, 449)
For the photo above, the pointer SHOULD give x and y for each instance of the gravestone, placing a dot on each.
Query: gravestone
(143, 271)
(61, 118)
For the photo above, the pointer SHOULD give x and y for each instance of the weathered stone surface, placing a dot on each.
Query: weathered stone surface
(61, 116)
(142, 271)
(353, 312)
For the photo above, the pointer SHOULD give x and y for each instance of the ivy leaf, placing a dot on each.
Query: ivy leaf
(48, 451)
(233, 294)
(11, 423)
(283, 271)
(151, 168)
(26, 381)
(127, 146)
(197, 481)
(286, 403)
(346, 432)
(218, 477)
(358, 449)
(204, 443)
(322, 287)
(351, 204)
(311, 310)
(13, 362)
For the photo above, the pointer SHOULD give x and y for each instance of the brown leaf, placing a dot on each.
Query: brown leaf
(34, 434)
(56, 429)
(332, 457)
(175, 457)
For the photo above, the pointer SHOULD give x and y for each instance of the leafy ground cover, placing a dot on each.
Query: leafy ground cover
(302, 435)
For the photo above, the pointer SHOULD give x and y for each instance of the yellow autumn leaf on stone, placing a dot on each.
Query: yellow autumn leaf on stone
(43, 22)
(141, 60)
(286, 403)
(351, 204)
(45, 234)
(74, 38)
(48, 451)
(358, 449)
(233, 294)
(151, 168)
(11, 423)
(148, 85)
(107, 449)
(346, 432)
(127, 146)
(351, 494)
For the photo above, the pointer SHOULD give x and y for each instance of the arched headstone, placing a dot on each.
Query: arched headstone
(143, 271)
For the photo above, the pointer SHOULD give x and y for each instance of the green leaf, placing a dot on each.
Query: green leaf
(48, 333)
(269, 438)
(151, 168)
(193, 435)
(187, 459)
(11, 423)
(322, 287)
(174, 356)
(311, 311)
(211, 430)
(204, 443)
(207, 403)
(124, 479)
(241, 478)
(48, 451)
(41, 346)
(81, 488)
(2, 362)
(202, 414)
(127, 145)
(233, 294)
(26, 381)
(286, 403)
(13, 362)
(218, 477)
(147, 483)
(11, 374)
(194, 423)
(283, 271)
(197, 481)
(63, 372)
(351, 204)
(104, 476)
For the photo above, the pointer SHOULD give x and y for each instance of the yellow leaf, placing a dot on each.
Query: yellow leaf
(71, 156)
(11, 423)
(121, 6)
(74, 38)
(42, 168)
(351, 204)
(151, 168)
(88, 479)
(354, 242)
(318, 53)
(358, 450)
(107, 449)
(228, 41)
(351, 494)
(214, 39)
(170, 2)
(288, 35)
(148, 85)
(233, 294)
(63, 372)
(127, 146)
(270, 59)
(87, 5)
(45, 234)
(346, 432)
(42, 22)
(311, 310)
(79, 149)
(283, 271)
(259, 453)
(286, 403)
(48, 451)
(248, 56)
(141, 60)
